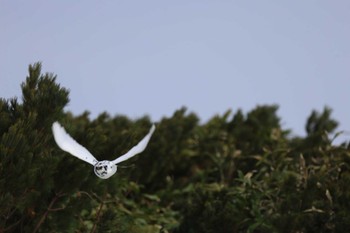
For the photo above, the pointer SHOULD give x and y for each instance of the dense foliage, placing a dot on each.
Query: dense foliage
(235, 173)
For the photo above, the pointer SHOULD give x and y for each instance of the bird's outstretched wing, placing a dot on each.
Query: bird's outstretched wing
(136, 149)
(68, 144)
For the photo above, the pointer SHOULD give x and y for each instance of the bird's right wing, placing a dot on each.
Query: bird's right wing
(68, 144)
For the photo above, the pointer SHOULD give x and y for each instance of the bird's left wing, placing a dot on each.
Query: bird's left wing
(136, 149)
(68, 144)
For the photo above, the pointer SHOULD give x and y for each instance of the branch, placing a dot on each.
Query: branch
(12, 226)
(87, 194)
(97, 218)
(56, 209)
(49, 209)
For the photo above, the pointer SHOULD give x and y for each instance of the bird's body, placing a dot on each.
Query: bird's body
(103, 169)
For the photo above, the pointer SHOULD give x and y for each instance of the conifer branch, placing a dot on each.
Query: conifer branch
(97, 218)
(49, 209)
(12, 226)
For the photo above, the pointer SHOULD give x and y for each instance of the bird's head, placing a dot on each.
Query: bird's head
(105, 169)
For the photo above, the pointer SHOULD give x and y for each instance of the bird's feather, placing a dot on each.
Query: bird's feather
(136, 149)
(68, 144)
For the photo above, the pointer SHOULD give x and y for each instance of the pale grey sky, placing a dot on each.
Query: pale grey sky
(152, 57)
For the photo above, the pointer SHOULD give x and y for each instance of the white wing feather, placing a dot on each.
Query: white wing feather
(68, 144)
(136, 149)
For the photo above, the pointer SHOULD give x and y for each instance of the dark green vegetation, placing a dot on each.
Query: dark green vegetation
(240, 173)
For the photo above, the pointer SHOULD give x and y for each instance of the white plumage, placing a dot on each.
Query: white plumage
(103, 169)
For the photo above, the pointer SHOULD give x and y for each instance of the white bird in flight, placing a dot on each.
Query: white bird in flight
(103, 169)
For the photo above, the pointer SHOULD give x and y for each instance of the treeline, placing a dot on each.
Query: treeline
(235, 173)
